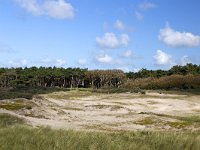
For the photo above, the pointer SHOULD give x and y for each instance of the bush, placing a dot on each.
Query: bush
(166, 83)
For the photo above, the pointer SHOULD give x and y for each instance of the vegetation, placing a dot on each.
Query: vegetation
(26, 82)
(175, 70)
(16, 104)
(12, 106)
(59, 77)
(14, 135)
(26, 92)
(71, 95)
(182, 77)
(179, 124)
(166, 83)
(146, 121)
(8, 121)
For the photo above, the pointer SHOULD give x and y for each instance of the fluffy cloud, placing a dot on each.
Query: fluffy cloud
(139, 16)
(127, 53)
(178, 39)
(60, 62)
(146, 5)
(53, 62)
(104, 59)
(162, 58)
(111, 41)
(31, 6)
(119, 25)
(82, 61)
(58, 9)
(17, 63)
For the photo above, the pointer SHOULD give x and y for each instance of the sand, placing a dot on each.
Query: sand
(111, 112)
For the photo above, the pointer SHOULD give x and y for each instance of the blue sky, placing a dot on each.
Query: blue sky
(99, 34)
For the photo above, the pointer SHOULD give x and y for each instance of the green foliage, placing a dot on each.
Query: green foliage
(175, 70)
(181, 77)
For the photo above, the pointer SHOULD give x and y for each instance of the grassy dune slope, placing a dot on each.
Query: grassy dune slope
(15, 135)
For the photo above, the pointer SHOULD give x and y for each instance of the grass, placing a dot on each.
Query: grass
(14, 135)
(8, 120)
(16, 104)
(188, 92)
(194, 119)
(179, 124)
(24, 138)
(12, 106)
(146, 121)
(26, 92)
(191, 119)
(182, 121)
(70, 95)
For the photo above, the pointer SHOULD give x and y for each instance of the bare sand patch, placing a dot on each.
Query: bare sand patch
(112, 112)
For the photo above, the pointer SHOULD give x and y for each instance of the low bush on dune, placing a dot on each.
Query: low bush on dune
(166, 83)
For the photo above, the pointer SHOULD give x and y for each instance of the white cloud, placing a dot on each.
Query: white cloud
(24, 62)
(60, 62)
(110, 41)
(53, 62)
(58, 9)
(124, 69)
(119, 25)
(146, 5)
(127, 53)
(18, 63)
(136, 69)
(104, 59)
(31, 6)
(139, 16)
(82, 61)
(162, 58)
(178, 39)
(185, 60)
(124, 39)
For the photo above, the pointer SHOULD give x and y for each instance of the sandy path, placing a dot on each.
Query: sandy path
(110, 111)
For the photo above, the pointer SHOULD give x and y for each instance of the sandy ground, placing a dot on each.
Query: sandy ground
(111, 112)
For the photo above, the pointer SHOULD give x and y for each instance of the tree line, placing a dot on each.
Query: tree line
(175, 70)
(77, 77)
(60, 77)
